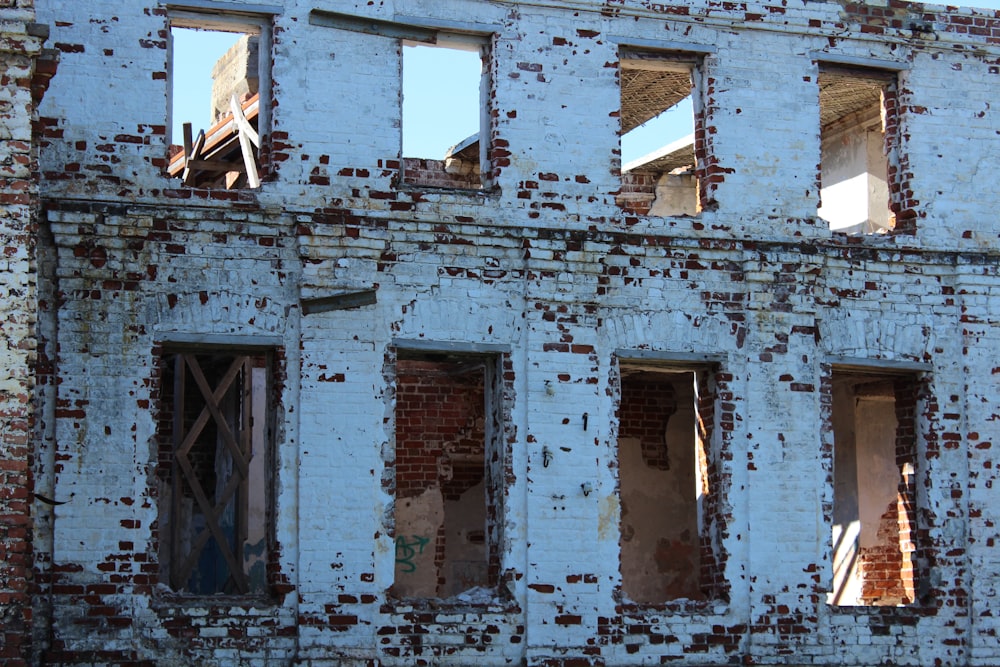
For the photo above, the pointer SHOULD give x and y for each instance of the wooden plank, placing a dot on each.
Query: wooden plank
(253, 179)
(246, 444)
(212, 529)
(211, 510)
(188, 142)
(176, 582)
(242, 124)
(203, 417)
(212, 403)
(187, 177)
(344, 301)
(208, 510)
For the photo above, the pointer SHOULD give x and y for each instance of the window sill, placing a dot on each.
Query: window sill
(482, 193)
(895, 612)
(495, 605)
(165, 600)
(705, 607)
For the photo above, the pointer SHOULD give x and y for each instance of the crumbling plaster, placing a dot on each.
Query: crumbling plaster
(544, 267)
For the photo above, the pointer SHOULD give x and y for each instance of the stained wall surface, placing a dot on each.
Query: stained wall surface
(333, 265)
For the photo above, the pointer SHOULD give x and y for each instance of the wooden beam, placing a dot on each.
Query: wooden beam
(338, 302)
(212, 403)
(216, 166)
(176, 581)
(247, 135)
(188, 142)
(187, 177)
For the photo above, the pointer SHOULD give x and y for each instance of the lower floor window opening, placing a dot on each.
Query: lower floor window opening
(215, 477)
(874, 504)
(668, 485)
(448, 468)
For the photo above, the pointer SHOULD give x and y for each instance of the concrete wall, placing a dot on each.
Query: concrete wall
(855, 195)
(235, 73)
(544, 270)
(675, 195)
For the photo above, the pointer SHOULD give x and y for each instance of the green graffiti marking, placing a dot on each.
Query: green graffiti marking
(407, 548)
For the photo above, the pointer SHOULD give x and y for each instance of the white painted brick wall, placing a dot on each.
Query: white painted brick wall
(139, 261)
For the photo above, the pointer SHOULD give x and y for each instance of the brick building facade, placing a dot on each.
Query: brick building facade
(278, 393)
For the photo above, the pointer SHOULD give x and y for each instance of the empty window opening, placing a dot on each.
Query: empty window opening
(667, 485)
(214, 472)
(857, 135)
(218, 100)
(449, 437)
(874, 428)
(658, 134)
(445, 112)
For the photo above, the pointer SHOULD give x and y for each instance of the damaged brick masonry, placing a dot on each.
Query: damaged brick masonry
(275, 391)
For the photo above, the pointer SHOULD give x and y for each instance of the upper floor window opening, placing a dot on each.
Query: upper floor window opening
(219, 92)
(659, 114)
(445, 112)
(858, 122)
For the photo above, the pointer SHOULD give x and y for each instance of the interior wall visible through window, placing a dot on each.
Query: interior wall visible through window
(874, 506)
(448, 468)
(668, 485)
(857, 120)
(658, 148)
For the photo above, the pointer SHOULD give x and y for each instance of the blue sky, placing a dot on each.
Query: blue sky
(195, 51)
(445, 110)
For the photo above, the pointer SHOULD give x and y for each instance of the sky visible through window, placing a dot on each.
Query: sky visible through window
(444, 109)
(195, 52)
(440, 99)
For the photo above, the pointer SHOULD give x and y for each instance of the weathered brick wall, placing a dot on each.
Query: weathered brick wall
(193, 266)
(20, 46)
(545, 269)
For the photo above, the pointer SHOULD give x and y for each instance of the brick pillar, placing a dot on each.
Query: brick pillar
(20, 46)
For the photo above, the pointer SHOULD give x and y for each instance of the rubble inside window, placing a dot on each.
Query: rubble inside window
(224, 152)
(448, 469)
(656, 88)
(856, 122)
(214, 471)
(874, 512)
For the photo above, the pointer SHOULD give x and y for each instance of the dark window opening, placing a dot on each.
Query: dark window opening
(874, 513)
(448, 472)
(219, 99)
(658, 137)
(214, 496)
(446, 89)
(668, 485)
(858, 126)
